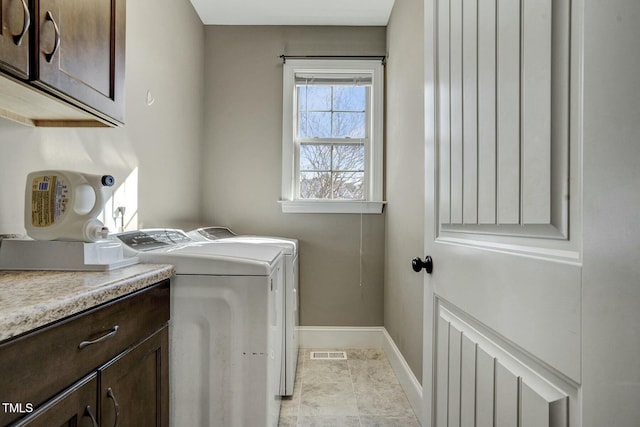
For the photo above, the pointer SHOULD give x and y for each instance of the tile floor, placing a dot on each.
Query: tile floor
(361, 391)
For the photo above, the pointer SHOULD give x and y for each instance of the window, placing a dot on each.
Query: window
(332, 136)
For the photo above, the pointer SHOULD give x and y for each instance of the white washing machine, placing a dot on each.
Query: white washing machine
(291, 315)
(225, 335)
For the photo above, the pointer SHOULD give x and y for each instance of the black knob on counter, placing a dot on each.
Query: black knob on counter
(419, 264)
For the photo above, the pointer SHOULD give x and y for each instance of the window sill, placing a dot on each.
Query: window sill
(331, 207)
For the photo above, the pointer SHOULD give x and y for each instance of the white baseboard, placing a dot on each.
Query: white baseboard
(408, 381)
(338, 338)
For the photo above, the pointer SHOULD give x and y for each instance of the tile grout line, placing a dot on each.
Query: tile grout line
(353, 390)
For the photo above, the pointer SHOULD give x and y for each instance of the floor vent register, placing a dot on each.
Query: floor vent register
(328, 355)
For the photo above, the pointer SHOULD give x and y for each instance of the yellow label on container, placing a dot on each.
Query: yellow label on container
(49, 198)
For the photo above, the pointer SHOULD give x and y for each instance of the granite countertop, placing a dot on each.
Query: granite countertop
(31, 299)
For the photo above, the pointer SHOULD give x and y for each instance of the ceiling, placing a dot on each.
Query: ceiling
(293, 12)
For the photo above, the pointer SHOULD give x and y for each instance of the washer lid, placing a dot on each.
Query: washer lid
(224, 235)
(198, 260)
(191, 257)
(288, 246)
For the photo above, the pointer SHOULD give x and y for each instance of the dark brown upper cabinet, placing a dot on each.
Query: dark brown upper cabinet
(63, 62)
(80, 52)
(15, 20)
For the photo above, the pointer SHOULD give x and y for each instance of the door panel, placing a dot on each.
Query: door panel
(521, 272)
(506, 282)
(533, 302)
(536, 112)
(487, 378)
(455, 352)
(440, 412)
(503, 117)
(537, 410)
(487, 114)
(508, 121)
(455, 112)
(443, 121)
(470, 112)
(468, 382)
(485, 386)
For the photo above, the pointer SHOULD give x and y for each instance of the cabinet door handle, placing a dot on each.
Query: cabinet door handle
(88, 413)
(111, 396)
(56, 41)
(105, 337)
(26, 23)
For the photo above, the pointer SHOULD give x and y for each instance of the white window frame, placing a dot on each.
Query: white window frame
(372, 202)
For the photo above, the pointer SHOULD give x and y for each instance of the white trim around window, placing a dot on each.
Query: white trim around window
(372, 198)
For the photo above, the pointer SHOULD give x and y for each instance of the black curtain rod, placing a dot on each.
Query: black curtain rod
(380, 57)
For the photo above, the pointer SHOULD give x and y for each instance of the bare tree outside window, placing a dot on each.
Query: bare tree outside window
(332, 132)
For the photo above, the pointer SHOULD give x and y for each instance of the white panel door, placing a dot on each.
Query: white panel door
(502, 304)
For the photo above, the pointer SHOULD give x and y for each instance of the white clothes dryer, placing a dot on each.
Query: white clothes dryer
(291, 314)
(225, 334)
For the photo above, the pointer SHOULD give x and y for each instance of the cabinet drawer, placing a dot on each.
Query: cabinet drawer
(37, 365)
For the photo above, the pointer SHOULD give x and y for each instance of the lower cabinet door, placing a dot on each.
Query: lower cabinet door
(134, 387)
(75, 407)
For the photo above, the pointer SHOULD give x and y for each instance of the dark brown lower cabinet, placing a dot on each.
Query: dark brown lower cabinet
(105, 367)
(133, 392)
(134, 387)
(75, 407)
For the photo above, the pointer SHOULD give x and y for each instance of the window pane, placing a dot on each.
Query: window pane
(348, 157)
(349, 125)
(315, 185)
(314, 125)
(314, 98)
(333, 151)
(348, 185)
(349, 98)
(315, 157)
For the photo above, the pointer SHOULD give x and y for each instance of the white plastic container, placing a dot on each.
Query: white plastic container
(64, 205)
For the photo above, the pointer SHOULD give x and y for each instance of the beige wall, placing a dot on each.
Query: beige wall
(404, 235)
(162, 140)
(242, 167)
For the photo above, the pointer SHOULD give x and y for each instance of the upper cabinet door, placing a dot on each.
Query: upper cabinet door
(15, 20)
(80, 52)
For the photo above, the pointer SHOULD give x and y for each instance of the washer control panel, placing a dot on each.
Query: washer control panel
(146, 240)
